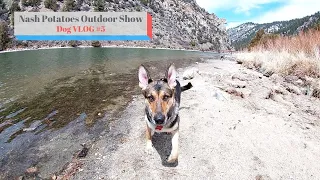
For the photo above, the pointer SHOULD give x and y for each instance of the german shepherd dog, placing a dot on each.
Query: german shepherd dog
(162, 100)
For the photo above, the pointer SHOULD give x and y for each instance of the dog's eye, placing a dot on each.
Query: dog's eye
(165, 97)
(150, 98)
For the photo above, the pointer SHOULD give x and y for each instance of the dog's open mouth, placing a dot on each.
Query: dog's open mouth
(159, 127)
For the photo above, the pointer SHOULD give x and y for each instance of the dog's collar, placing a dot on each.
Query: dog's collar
(174, 121)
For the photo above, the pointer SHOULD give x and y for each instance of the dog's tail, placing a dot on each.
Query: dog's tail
(186, 87)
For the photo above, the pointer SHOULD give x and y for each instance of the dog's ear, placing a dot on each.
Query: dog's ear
(144, 77)
(171, 76)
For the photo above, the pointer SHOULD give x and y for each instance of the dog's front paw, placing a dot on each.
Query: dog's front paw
(172, 159)
(149, 148)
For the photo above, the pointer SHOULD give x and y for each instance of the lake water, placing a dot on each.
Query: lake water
(27, 72)
(76, 80)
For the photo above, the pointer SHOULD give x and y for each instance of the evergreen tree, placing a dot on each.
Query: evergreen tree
(4, 35)
(255, 41)
(51, 4)
(14, 8)
(33, 3)
(99, 5)
(3, 7)
(24, 3)
(69, 5)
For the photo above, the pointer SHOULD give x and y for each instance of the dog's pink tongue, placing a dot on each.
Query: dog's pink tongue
(159, 128)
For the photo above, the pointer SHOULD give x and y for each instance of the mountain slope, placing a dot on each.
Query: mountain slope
(241, 35)
(176, 23)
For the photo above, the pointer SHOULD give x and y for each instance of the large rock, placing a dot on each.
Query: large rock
(190, 73)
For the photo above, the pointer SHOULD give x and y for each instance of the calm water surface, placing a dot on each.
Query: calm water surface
(27, 72)
(64, 83)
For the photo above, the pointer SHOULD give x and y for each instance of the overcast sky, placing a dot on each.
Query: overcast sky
(259, 11)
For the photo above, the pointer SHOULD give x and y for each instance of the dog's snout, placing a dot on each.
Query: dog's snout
(159, 118)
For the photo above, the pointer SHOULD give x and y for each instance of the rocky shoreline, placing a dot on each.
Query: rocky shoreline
(102, 46)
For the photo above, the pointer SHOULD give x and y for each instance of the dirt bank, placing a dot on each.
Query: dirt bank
(256, 132)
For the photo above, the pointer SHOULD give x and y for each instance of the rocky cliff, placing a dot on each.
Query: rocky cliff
(176, 23)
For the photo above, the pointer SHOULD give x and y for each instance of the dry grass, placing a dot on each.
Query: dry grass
(297, 55)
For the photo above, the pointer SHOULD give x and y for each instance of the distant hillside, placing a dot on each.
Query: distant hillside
(176, 23)
(241, 35)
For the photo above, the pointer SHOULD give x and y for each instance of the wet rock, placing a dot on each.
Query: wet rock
(83, 153)
(53, 113)
(5, 124)
(33, 126)
(15, 113)
(190, 73)
(10, 132)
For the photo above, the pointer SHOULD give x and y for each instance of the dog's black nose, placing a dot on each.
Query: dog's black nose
(159, 118)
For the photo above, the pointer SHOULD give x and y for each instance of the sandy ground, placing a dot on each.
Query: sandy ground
(222, 136)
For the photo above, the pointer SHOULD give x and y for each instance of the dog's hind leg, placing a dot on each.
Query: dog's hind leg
(149, 134)
(175, 147)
